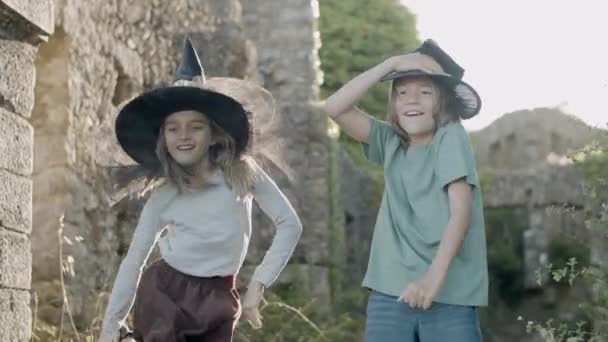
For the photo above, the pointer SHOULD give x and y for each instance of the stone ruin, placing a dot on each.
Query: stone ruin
(80, 60)
(526, 153)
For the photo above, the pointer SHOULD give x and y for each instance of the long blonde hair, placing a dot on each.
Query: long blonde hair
(239, 171)
(447, 109)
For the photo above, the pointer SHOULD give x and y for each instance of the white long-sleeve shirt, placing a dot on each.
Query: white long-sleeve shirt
(207, 234)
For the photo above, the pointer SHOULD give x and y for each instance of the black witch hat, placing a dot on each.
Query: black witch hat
(139, 122)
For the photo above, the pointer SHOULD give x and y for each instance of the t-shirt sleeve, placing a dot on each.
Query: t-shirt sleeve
(455, 158)
(380, 132)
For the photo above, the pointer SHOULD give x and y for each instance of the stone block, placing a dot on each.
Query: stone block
(33, 16)
(16, 141)
(15, 202)
(15, 316)
(15, 260)
(17, 77)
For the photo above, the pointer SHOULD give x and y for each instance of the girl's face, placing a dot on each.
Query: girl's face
(188, 137)
(416, 101)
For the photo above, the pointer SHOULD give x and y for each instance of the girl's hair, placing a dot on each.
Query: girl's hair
(448, 108)
(239, 172)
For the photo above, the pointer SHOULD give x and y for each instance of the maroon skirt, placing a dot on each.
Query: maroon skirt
(171, 306)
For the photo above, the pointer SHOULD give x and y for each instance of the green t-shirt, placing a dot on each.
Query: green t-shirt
(415, 211)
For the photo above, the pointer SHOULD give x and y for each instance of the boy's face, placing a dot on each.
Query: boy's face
(415, 101)
(188, 137)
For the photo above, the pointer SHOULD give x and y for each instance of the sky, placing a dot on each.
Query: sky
(522, 54)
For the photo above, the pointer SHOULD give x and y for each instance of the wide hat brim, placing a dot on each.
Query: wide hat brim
(139, 122)
(464, 92)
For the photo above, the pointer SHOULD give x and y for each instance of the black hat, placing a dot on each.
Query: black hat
(138, 123)
(450, 75)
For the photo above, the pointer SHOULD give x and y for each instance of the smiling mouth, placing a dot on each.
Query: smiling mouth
(185, 147)
(413, 113)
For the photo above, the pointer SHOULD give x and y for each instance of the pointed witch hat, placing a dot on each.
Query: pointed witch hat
(139, 122)
(232, 103)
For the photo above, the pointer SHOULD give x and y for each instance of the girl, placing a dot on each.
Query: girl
(199, 140)
(427, 267)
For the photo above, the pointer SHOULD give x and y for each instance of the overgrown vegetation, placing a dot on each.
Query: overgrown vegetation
(593, 163)
(505, 228)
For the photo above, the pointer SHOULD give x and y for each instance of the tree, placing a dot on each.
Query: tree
(358, 34)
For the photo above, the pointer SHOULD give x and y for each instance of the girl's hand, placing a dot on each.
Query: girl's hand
(413, 61)
(420, 294)
(251, 302)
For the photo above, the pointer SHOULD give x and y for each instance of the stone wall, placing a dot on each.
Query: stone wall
(359, 205)
(524, 138)
(23, 25)
(526, 153)
(522, 158)
(287, 62)
(104, 52)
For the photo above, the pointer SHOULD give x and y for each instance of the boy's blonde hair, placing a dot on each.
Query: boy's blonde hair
(447, 108)
(239, 172)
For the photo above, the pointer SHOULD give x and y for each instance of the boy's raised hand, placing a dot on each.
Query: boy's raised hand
(414, 61)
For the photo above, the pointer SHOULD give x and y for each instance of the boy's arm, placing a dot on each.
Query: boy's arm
(420, 294)
(460, 202)
(341, 105)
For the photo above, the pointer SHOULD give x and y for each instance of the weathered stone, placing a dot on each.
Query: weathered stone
(16, 202)
(525, 157)
(103, 54)
(36, 13)
(51, 196)
(542, 185)
(15, 315)
(50, 116)
(24, 24)
(17, 76)
(15, 260)
(536, 243)
(19, 22)
(359, 206)
(16, 143)
(95, 73)
(49, 152)
(130, 74)
(525, 138)
(224, 49)
(286, 65)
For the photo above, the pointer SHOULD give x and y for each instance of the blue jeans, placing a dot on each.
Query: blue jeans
(391, 321)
